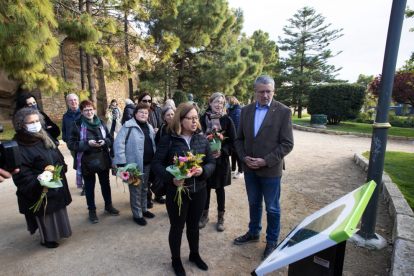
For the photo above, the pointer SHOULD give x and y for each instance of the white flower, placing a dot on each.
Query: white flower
(46, 176)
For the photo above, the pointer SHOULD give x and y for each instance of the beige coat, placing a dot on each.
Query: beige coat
(273, 141)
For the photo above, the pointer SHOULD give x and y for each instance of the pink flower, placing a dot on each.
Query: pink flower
(124, 175)
(175, 159)
(192, 172)
(209, 136)
(221, 136)
(182, 159)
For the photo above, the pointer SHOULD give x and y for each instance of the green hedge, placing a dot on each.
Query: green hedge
(338, 101)
(179, 97)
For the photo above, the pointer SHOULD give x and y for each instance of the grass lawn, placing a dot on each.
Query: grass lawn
(355, 127)
(8, 131)
(399, 166)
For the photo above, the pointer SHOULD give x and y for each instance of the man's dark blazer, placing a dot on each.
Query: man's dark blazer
(273, 141)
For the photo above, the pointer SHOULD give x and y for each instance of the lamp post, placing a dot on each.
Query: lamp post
(381, 125)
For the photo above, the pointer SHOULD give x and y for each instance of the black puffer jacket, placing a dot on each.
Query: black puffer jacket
(34, 161)
(128, 112)
(222, 174)
(165, 155)
(75, 144)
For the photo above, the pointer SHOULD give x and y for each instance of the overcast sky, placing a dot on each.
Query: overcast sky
(365, 24)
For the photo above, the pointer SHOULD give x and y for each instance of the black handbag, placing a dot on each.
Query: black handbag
(93, 164)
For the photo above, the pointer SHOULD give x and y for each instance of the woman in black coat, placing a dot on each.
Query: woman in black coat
(128, 111)
(88, 137)
(37, 151)
(184, 135)
(29, 100)
(215, 120)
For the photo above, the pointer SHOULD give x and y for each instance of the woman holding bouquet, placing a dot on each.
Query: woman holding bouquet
(216, 121)
(37, 151)
(135, 144)
(90, 139)
(184, 136)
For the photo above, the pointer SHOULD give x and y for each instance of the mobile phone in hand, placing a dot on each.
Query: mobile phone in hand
(98, 142)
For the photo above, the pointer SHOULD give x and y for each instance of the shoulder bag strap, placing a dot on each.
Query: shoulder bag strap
(127, 137)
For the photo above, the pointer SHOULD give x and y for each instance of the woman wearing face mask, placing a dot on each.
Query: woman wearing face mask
(29, 100)
(90, 139)
(37, 151)
(215, 120)
(135, 144)
(234, 108)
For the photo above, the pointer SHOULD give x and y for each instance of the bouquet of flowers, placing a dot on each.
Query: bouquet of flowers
(184, 167)
(215, 139)
(50, 178)
(129, 174)
(108, 114)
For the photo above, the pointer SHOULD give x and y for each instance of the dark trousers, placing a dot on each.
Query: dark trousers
(89, 182)
(221, 199)
(191, 210)
(113, 127)
(235, 159)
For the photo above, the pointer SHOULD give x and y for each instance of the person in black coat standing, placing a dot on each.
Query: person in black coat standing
(29, 100)
(184, 135)
(128, 111)
(215, 120)
(37, 151)
(89, 137)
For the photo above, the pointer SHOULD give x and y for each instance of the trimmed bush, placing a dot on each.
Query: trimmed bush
(338, 101)
(179, 97)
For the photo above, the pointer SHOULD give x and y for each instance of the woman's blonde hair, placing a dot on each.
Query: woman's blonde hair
(182, 111)
(215, 96)
(232, 100)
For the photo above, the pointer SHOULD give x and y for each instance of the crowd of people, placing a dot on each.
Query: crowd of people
(257, 137)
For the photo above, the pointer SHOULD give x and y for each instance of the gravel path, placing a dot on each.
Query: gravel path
(318, 171)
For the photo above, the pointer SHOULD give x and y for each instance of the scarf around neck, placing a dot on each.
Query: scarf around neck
(28, 139)
(213, 124)
(95, 124)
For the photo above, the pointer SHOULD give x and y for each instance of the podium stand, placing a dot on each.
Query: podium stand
(316, 247)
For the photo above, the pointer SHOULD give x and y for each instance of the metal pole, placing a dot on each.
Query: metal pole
(381, 125)
(63, 60)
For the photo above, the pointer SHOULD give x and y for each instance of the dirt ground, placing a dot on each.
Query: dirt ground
(318, 171)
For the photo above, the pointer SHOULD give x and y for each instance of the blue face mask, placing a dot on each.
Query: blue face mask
(33, 106)
(227, 105)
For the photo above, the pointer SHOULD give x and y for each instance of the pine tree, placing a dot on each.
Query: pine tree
(27, 43)
(306, 63)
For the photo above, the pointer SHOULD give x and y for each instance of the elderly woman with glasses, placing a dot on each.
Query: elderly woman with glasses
(184, 135)
(215, 120)
(37, 151)
(135, 144)
(90, 139)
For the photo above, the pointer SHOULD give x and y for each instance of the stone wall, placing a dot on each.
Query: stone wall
(8, 96)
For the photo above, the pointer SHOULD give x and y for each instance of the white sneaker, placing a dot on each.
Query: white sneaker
(233, 172)
(238, 175)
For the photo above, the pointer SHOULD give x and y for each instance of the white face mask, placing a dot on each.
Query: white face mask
(34, 128)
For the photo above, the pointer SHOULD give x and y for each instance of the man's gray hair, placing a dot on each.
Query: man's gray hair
(67, 97)
(265, 79)
(128, 101)
(170, 101)
(18, 118)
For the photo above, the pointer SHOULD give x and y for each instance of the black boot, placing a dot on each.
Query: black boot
(195, 258)
(178, 266)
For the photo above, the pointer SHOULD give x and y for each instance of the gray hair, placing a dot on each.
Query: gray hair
(215, 96)
(265, 79)
(67, 97)
(128, 101)
(170, 101)
(18, 118)
(165, 109)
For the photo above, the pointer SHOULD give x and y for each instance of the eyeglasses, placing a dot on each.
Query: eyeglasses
(142, 112)
(193, 119)
(147, 101)
(88, 110)
(218, 102)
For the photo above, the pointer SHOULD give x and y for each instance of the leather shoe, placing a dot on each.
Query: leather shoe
(148, 214)
(50, 244)
(178, 266)
(247, 238)
(270, 247)
(140, 221)
(195, 258)
(160, 200)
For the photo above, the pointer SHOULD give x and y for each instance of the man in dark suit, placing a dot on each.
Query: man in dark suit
(264, 138)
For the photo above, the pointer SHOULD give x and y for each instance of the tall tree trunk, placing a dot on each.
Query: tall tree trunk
(131, 85)
(82, 56)
(180, 84)
(89, 63)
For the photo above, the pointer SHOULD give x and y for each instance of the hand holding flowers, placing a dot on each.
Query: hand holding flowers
(129, 174)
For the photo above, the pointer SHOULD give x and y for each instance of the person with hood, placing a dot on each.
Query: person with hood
(29, 100)
(114, 115)
(128, 111)
(234, 107)
(38, 151)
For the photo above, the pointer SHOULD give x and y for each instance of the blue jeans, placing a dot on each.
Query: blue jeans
(258, 187)
(89, 182)
(112, 131)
